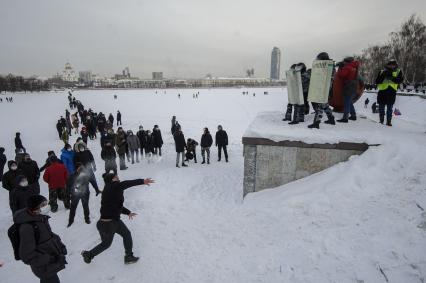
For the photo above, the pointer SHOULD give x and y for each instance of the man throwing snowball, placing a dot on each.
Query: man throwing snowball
(110, 223)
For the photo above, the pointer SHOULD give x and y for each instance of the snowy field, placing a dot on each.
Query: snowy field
(359, 221)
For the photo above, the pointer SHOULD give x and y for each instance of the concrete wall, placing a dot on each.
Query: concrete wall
(275, 164)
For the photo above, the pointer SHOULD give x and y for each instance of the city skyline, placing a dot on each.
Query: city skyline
(182, 40)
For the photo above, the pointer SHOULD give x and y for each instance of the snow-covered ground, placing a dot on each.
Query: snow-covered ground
(344, 224)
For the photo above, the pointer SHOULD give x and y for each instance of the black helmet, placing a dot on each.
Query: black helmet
(392, 62)
(323, 56)
(293, 66)
(302, 67)
(348, 59)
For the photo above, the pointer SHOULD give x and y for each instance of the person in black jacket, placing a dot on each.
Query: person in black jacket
(118, 118)
(388, 81)
(191, 146)
(221, 142)
(109, 155)
(110, 223)
(206, 143)
(30, 170)
(142, 136)
(85, 157)
(3, 160)
(48, 162)
(39, 247)
(20, 194)
(158, 140)
(109, 137)
(180, 145)
(78, 189)
(9, 178)
(18, 143)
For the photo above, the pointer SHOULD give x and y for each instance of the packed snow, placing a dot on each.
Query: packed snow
(359, 221)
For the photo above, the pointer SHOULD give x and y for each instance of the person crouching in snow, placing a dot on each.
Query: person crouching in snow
(110, 223)
(191, 146)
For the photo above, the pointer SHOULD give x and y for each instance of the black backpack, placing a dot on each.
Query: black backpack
(15, 239)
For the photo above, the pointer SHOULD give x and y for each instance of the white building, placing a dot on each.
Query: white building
(68, 74)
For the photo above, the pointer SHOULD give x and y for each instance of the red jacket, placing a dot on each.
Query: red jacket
(349, 72)
(56, 176)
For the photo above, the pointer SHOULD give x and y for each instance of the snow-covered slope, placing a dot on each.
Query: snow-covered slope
(341, 225)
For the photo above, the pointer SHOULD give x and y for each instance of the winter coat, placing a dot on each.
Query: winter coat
(141, 134)
(84, 135)
(30, 170)
(206, 140)
(9, 178)
(18, 197)
(18, 143)
(190, 146)
(108, 153)
(2, 163)
(221, 138)
(149, 145)
(108, 138)
(118, 116)
(158, 139)
(113, 198)
(388, 96)
(133, 142)
(78, 183)
(45, 256)
(180, 142)
(111, 119)
(67, 157)
(120, 143)
(56, 175)
(348, 74)
(85, 158)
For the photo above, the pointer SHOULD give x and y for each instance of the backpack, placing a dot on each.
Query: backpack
(15, 239)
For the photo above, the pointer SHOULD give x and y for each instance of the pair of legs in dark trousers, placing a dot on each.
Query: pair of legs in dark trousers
(107, 230)
(75, 199)
(298, 114)
(389, 111)
(203, 154)
(219, 152)
(157, 150)
(133, 152)
(54, 195)
(51, 279)
(122, 158)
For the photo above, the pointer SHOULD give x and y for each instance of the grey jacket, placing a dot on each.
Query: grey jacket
(45, 256)
(133, 142)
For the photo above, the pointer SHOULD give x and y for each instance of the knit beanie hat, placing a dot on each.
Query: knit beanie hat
(34, 201)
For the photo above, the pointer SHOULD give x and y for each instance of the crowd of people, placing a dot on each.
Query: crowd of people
(388, 81)
(70, 175)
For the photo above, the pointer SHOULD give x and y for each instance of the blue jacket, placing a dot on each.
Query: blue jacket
(67, 157)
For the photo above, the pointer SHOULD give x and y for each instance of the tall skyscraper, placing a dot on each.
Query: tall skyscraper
(275, 63)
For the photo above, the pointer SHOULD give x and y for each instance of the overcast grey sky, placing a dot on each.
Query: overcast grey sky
(188, 38)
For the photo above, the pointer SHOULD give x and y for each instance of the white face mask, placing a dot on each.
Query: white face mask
(13, 167)
(44, 209)
(23, 183)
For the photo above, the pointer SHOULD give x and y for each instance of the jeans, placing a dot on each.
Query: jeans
(219, 152)
(203, 153)
(389, 111)
(348, 106)
(75, 199)
(133, 152)
(51, 279)
(107, 230)
(122, 158)
(178, 154)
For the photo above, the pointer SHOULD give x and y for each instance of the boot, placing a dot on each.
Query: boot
(352, 118)
(314, 125)
(294, 122)
(208, 161)
(204, 161)
(177, 166)
(389, 122)
(382, 119)
(343, 120)
(70, 223)
(129, 259)
(87, 257)
(330, 121)
(87, 220)
(184, 165)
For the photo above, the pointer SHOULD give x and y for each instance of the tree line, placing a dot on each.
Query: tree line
(11, 83)
(407, 45)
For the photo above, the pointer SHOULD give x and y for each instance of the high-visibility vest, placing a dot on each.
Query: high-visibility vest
(388, 83)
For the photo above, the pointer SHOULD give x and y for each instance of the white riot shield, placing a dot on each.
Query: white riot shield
(319, 86)
(294, 87)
